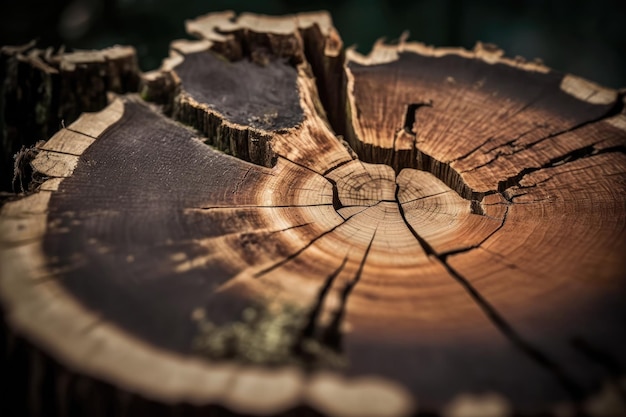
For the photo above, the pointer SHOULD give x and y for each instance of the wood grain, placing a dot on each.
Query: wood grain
(459, 253)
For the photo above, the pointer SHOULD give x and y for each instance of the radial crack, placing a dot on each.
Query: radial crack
(334, 167)
(540, 358)
(615, 110)
(426, 196)
(572, 156)
(508, 143)
(309, 330)
(241, 181)
(444, 255)
(425, 245)
(299, 251)
(244, 206)
(81, 133)
(332, 334)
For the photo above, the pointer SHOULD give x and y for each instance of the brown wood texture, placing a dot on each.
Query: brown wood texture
(277, 222)
(43, 90)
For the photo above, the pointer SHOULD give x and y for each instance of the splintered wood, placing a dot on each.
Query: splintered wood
(418, 230)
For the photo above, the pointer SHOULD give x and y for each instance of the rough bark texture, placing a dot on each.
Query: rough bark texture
(43, 90)
(416, 231)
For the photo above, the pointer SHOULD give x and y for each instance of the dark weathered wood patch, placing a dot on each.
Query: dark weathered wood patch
(244, 92)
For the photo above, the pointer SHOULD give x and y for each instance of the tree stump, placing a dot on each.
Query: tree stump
(276, 223)
(44, 90)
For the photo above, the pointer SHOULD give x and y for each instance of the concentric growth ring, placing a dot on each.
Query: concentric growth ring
(419, 229)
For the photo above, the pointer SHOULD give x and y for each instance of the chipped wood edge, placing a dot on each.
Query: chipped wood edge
(69, 61)
(586, 90)
(577, 87)
(220, 27)
(383, 53)
(215, 31)
(279, 145)
(208, 26)
(40, 309)
(186, 46)
(34, 58)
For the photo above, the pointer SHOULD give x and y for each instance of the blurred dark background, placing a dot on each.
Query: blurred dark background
(587, 38)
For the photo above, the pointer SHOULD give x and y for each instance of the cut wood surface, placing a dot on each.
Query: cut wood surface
(277, 222)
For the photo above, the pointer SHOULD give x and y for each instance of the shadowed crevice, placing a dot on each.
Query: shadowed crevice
(585, 152)
(410, 116)
(444, 255)
(310, 329)
(616, 109)
(332, 334)
(417, 159)
(299, 251)
(540, 358)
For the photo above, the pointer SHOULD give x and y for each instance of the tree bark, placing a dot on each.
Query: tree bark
(43, 90)
(276, 224)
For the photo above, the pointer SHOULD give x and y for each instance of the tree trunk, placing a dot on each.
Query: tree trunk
(43, 91)
(276, 224)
